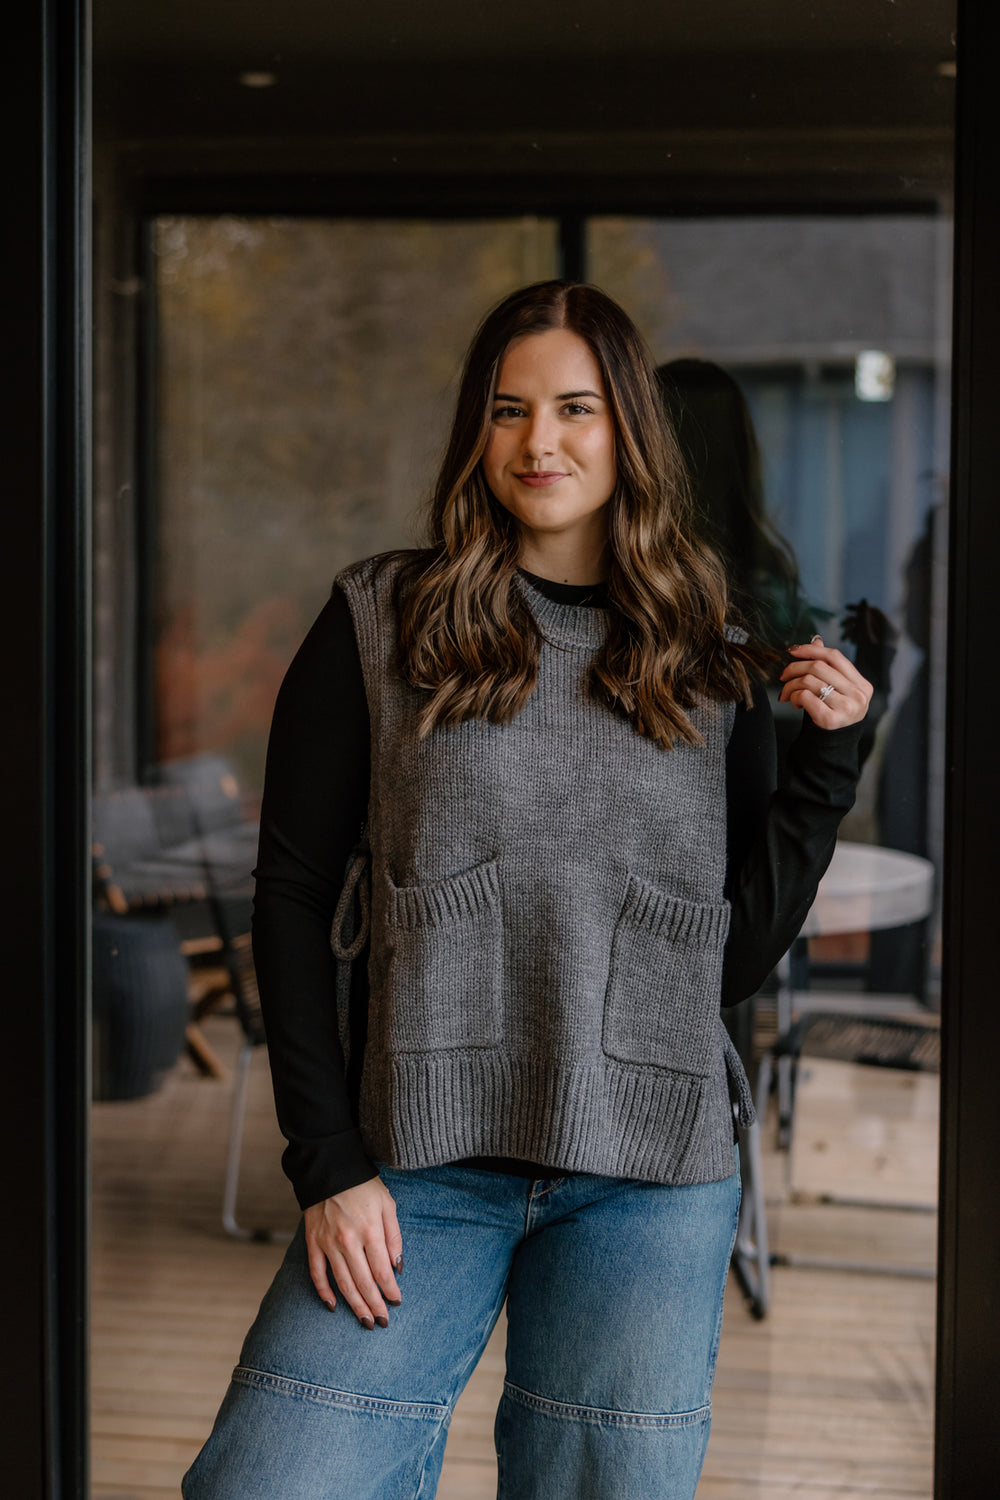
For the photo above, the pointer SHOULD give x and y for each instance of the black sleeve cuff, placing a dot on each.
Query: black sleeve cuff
(823, 765)
(837, 739)
(318, 1169)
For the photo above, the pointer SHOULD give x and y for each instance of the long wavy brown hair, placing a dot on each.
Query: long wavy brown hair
(467, 636)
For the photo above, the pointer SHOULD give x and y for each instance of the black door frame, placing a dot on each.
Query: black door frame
(45, 599)
(45, 786)
(968, 1361)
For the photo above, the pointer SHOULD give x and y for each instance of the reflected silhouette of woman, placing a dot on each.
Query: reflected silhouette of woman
(715, 431)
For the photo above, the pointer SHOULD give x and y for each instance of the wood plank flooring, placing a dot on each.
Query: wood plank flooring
(865, 1133)
(829, 1398)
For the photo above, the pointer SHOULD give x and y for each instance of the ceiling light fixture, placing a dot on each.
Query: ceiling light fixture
(874, 375)
(258, 80)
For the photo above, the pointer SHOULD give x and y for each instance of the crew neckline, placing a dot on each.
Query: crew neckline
(590, 595)
(568, 614)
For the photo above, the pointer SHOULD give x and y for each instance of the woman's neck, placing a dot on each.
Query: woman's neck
(563, 560)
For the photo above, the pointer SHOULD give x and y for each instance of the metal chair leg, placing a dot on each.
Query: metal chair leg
(751, 1256)
(785, 1004)
(237, 1120)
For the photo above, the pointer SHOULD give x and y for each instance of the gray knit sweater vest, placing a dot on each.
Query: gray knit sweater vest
(547, 924)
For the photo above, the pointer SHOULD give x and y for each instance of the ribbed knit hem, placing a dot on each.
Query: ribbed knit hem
(606, 1118)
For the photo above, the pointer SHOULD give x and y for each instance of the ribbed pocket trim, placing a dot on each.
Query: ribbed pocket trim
(452, 900)
(693, 923)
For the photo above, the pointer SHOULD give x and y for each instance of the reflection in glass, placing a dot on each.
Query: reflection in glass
(716, 433)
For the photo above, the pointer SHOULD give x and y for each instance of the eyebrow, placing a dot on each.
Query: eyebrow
(566, 396)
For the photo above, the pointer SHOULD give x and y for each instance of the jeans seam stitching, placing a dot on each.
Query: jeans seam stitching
(717, 1332)
(575, 1412)
(446, 1422)
(543, 1192)
(329, 1396)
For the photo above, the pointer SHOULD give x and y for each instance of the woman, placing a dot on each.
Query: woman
(710, 416)
(563, 766)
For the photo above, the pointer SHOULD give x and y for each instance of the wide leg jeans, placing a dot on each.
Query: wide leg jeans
(614, 1307)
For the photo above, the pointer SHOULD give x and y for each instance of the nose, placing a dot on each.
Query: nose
(539, 437)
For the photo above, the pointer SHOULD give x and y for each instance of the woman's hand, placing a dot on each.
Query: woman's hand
(355, 1234)
(823, 682)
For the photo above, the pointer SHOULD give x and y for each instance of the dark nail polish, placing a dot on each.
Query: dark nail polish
(327, 1303)
(382, 1320)
(397, 1264)
(368, 1323)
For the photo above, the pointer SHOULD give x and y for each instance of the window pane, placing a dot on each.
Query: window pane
(305, 371)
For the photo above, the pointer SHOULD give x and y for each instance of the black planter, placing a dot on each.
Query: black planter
(140, 1004)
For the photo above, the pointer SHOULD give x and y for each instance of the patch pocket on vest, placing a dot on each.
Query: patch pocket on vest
(444, 947)
(664, 982)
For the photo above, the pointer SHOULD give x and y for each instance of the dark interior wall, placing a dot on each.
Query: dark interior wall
(778, 97)
(629, 92)
(835, 119)
(174, 68)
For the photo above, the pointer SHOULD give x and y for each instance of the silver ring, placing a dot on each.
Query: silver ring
(825, 691)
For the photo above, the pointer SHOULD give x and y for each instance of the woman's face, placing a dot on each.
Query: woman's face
(550, 455)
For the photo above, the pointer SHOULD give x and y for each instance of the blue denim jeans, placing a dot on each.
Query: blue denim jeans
(614, 1308)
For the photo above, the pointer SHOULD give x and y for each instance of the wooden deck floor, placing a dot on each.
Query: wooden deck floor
(830, 1398)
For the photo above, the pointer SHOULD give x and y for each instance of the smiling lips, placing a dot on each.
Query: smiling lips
(540, 481)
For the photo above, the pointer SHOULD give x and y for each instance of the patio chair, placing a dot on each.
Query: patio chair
(867, 1040)
(239, 959)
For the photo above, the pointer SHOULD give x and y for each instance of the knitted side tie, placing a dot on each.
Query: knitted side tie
(344, 947)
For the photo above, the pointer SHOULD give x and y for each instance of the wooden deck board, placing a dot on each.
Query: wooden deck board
(830, 1398)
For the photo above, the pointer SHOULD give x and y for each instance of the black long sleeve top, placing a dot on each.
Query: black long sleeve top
(315, 801)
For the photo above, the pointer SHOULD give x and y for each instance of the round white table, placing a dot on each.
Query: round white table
(867, 888)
